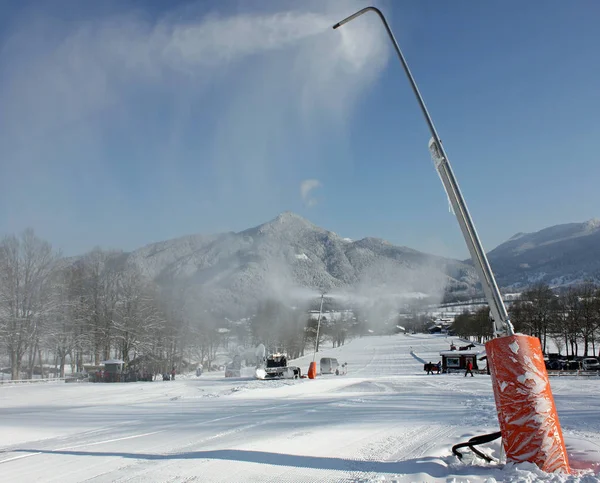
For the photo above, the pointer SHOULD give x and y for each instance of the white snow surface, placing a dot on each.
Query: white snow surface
(385, 421)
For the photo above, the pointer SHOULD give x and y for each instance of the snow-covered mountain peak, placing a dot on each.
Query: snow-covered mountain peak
(290, 217)
(592, 225)
(286, 226)
(557, 255)
(231, 272)
(516, 236)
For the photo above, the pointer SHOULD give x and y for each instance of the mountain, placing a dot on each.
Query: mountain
(288, 258)
(560, 255)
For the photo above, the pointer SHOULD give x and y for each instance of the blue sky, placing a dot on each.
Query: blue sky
(130, 122)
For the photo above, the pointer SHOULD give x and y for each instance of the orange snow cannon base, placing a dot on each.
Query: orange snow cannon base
(312, 370)
(526, 411)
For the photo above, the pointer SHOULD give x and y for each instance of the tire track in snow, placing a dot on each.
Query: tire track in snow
(426, 440)
(70, 441)
(84, 439)
(411, 444)
(131, 473)
(212, 469)
(369, 364)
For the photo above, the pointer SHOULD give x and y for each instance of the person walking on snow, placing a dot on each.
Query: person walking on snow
(469, 369)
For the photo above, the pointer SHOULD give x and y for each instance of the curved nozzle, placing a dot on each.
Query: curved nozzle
(358, 14)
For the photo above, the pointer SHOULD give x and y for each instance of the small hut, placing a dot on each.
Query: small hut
(456, 360)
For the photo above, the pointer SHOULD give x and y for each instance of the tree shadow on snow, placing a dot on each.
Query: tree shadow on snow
(426, 465)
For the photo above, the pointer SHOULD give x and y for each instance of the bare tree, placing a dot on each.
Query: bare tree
(534, 312)
(92, 295)
(26, 265)
(474, 325)
(62, 330)
(596, 333)
(101, 294)
(588, 319)
(136, 316)
(571, 308)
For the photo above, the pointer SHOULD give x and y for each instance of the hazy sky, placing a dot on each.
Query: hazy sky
(129, 122)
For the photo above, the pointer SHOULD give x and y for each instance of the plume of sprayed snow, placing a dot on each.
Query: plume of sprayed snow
(280, 286)
(387, 288)
(277, 281)
(267, 75)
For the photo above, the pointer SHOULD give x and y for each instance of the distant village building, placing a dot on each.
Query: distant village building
(441, 326)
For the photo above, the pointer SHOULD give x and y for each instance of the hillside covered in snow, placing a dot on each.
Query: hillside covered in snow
(289, 259)
(559, 255)
(232, 271)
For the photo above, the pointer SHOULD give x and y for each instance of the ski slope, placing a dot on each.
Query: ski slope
(384, 421)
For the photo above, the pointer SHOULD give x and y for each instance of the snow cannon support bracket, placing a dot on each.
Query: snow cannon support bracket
(526, 411)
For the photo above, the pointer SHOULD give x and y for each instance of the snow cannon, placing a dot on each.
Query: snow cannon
(312, 370)
(526, 411)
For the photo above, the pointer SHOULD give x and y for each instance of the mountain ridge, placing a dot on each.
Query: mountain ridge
(289, 252)
(558, 255)
(235, 270)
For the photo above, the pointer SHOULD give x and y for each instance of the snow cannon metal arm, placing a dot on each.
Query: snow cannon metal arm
(501, 322)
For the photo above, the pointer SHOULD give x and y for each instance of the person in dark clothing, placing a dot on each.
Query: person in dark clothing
(469, 369)
(429, 368)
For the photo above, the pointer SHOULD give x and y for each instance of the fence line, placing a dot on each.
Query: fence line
(574, 373)
(32, 381)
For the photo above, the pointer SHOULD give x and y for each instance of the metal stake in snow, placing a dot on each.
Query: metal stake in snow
(312, 368)
(538, 437)
(318, 327)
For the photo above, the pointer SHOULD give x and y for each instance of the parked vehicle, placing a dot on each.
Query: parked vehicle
(231, 371)
(590, 364)
(328, 365)
(555, 365)
(234, 368)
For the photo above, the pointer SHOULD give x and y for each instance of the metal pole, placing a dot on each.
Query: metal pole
(502, 324)
(318, 327)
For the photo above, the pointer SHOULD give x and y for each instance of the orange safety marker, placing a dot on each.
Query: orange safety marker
(526, 410)
(312, 370)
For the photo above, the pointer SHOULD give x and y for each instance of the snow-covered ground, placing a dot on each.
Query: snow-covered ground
(384, 421)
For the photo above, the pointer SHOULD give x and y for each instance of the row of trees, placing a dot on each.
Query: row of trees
(86, 310)
(99, 306)
(569, 318)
